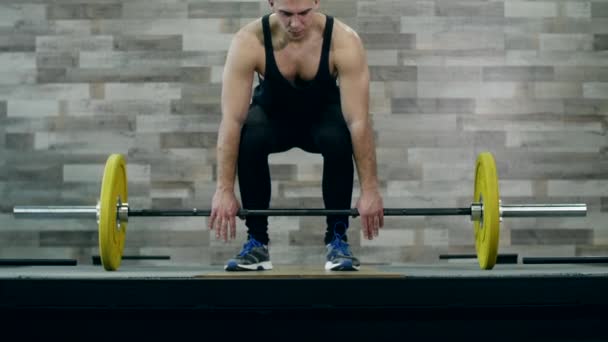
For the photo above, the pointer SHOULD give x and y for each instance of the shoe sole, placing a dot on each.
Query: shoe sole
(261, 266)
(346, 265)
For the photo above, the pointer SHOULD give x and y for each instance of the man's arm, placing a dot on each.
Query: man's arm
(236, 95)
(351, 63)
(353, 71)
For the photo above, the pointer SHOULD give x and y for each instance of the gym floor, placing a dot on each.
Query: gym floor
(536, 302)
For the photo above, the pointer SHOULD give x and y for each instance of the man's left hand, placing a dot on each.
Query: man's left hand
(371, 210)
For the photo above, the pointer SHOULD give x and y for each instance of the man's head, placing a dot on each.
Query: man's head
(296, 16)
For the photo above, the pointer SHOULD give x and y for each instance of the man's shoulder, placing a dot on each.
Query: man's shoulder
(252, 26)
(251, 33)
(344, 36)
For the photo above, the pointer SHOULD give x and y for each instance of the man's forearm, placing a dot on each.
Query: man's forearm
(362, 136)
(227, 153)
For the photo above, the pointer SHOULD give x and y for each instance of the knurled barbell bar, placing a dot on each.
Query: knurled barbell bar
(113, 212)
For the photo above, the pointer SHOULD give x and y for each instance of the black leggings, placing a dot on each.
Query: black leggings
(325, 133)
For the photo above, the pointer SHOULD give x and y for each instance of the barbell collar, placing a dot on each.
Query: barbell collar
(122, 212)
(476, 211)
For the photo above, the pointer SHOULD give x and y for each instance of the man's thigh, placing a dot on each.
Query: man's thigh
(275, 134)
(328, 127)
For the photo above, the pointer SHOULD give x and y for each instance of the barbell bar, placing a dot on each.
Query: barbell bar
(124, 211)
(113, 211)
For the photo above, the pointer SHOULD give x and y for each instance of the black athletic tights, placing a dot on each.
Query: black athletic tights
(325, 133)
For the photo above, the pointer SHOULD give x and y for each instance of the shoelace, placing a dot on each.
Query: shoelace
(339, 244)
(249, 245)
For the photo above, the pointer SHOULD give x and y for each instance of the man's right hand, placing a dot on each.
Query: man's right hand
(223, 214)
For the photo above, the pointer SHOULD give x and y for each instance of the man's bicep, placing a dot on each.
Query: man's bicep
(354, 86)
(237, 81)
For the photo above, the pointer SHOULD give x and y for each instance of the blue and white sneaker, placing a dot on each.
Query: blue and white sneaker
(253, 257)
(339, 257)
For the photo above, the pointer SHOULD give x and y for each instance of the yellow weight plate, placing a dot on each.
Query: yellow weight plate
(486, 192)
(112, 235)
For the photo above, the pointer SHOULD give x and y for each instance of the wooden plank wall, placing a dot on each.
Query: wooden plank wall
(526, 80)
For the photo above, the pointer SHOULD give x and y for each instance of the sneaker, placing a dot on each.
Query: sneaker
(253, 257)
(339, 256)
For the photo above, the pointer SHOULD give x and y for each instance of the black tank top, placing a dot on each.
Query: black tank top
(281, 98)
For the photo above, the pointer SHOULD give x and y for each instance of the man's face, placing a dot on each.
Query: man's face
(295, 16)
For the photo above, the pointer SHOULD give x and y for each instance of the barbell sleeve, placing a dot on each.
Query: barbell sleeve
(543, 210)
(55, 212)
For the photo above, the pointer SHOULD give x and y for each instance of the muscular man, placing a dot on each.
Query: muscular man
(313, 94)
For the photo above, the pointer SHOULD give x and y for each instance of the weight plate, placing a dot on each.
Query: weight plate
(487, 229)
(111, 234)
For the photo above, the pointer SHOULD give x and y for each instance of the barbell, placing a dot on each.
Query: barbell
(113, 211)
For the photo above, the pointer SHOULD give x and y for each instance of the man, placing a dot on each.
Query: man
(299, 55)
